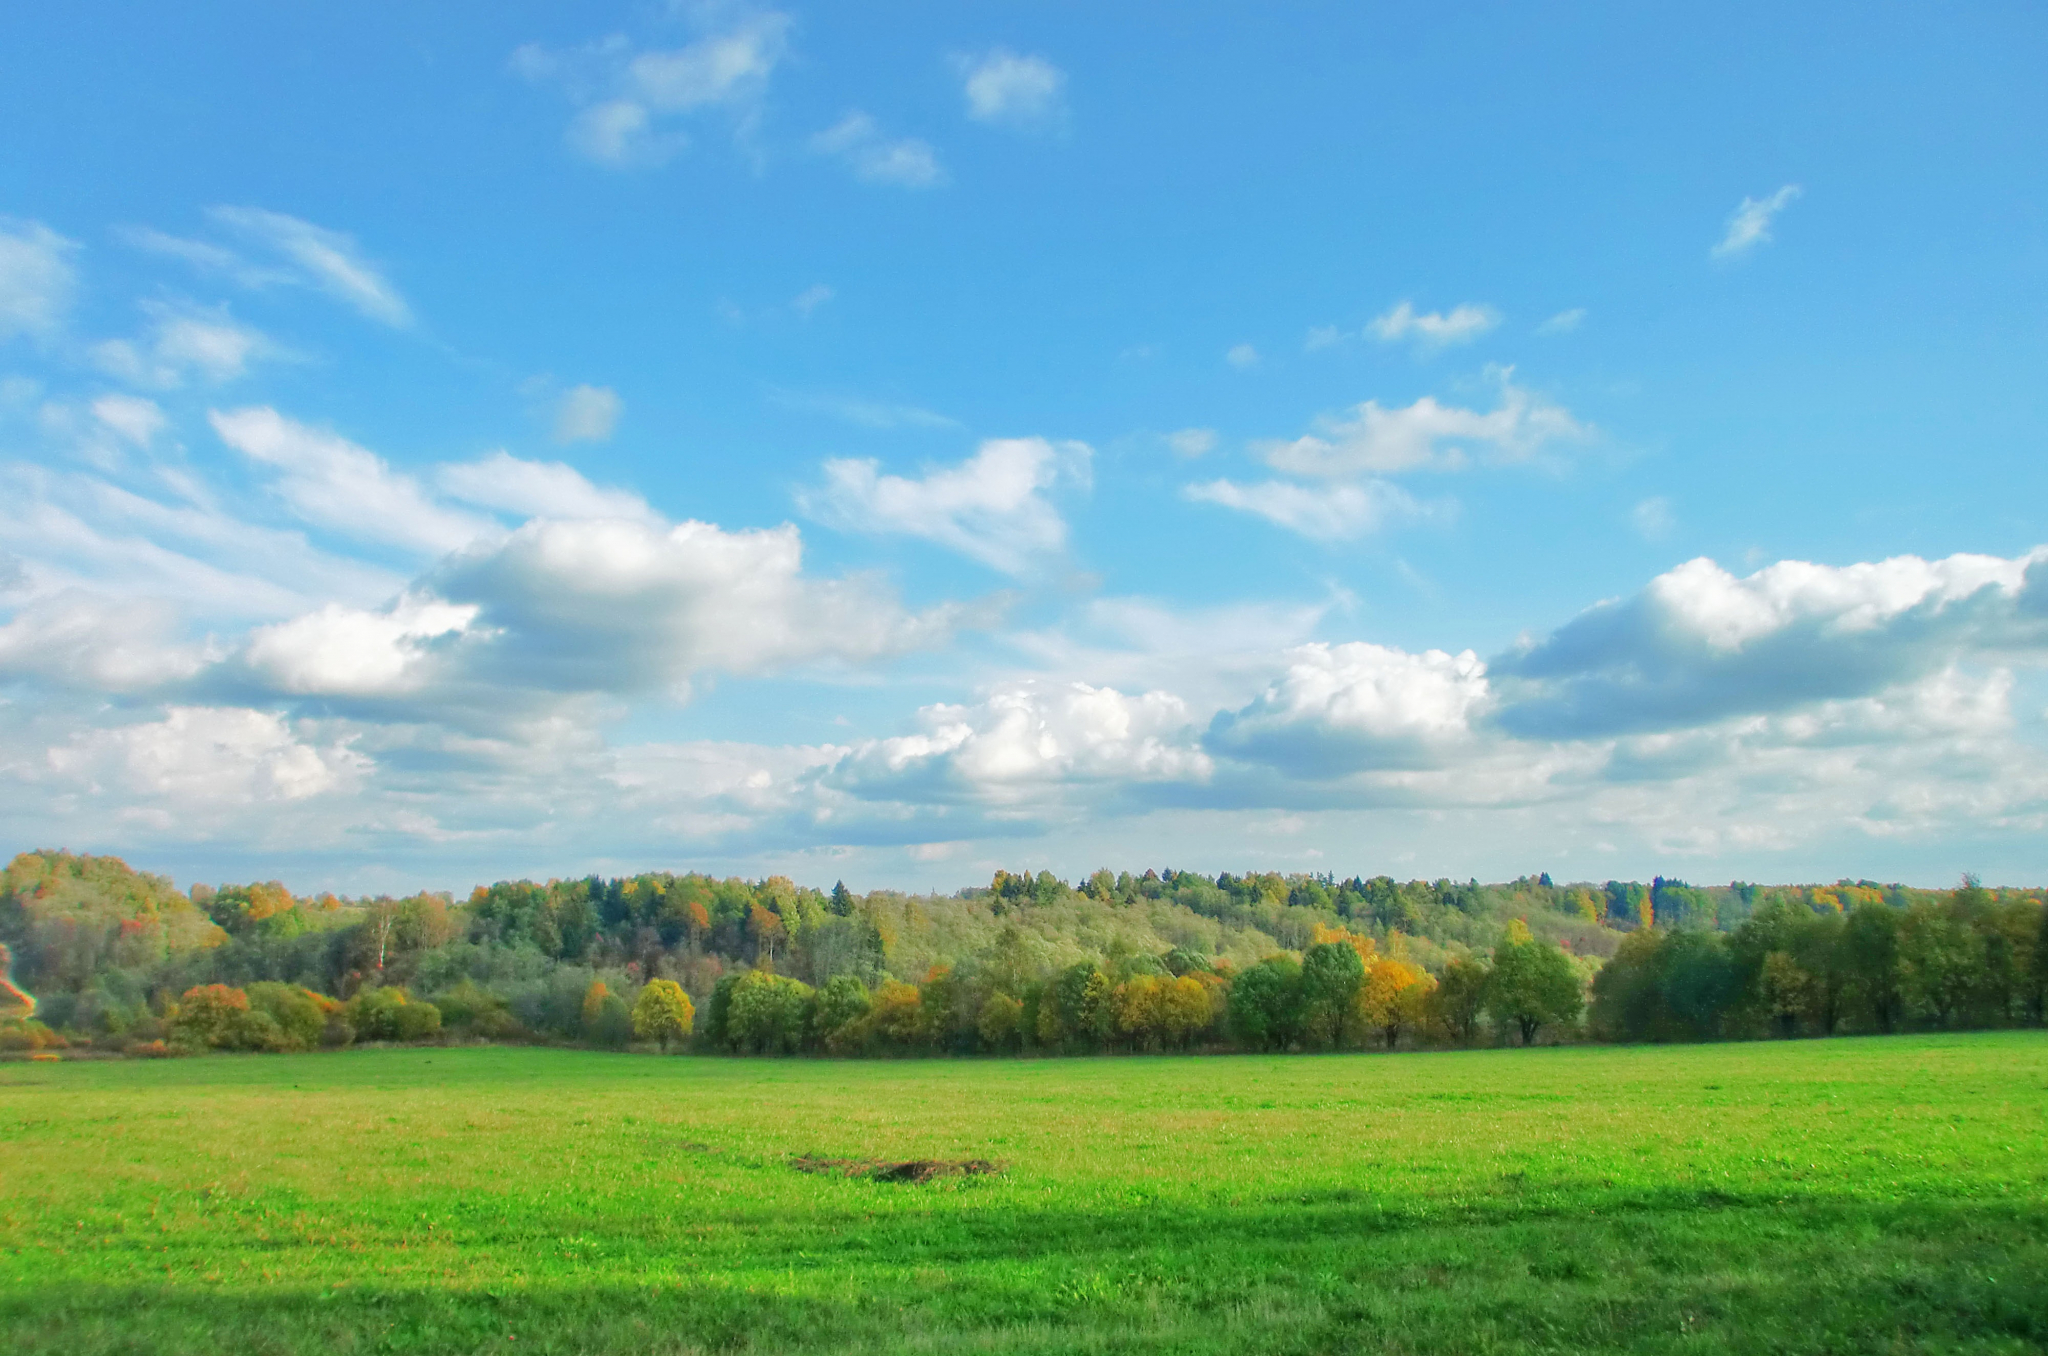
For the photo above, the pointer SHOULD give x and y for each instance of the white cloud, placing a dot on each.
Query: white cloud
(36, 279)
(1750, 224)
(1192, 442)
(1426, 435)
(621, 607)
(587, 414)
(1026, 741)
(207, 756)
(74, 638)
(1015, 91)
(345, 651)
(329, 260)
(134, 419)
(1652, 518)
(1242, 356)
(1325, 512)
(535, 489)
(1700, 645)
(857, 140)
(992, 507)
(332, 482)
(623, 93)
(1345, 708)
(182, 342)
(1564, 322)
(1433, 329)
(1321, 337)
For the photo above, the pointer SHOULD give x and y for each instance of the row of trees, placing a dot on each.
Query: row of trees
(1967, 958)
(1162, 961)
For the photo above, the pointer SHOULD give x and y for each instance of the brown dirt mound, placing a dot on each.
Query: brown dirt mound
(881, 1170)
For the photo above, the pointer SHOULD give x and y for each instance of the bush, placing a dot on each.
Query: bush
(150, 1050)
(417, 1022)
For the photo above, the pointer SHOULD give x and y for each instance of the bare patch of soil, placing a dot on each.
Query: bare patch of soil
(881, 1170)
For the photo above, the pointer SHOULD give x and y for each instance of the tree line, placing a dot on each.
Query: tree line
(1158, 962)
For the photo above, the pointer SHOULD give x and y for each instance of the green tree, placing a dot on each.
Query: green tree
(1265, 1004)
(1533, 986)
(1331, 974)
(1941, 959)
(1455, 1005)
(1870, 948)
(663, 1013)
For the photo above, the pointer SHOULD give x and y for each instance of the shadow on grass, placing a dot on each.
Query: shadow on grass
(1809, 1277)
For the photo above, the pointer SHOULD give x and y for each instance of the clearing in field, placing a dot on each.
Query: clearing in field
(1841, 1196)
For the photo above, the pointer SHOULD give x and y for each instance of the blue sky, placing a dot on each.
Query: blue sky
(447, 444)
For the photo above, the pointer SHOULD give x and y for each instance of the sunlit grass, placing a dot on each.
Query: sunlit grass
(1845, 1195)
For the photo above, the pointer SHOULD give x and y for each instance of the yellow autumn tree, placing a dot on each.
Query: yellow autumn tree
(1391, 999)
(663, 1013)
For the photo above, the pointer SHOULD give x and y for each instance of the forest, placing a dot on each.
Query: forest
(109, 959)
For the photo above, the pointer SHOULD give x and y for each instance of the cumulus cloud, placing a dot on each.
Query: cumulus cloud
(629, 99)
(1433, 329)
(1022, 742)
(1427, 435)
(623, 607)
(1324, 512)
(538, 489)
(857, 141)
(206, 756)
(326, 259)
(184, 342)
(587, 414)
(1011, 90)
(1700, 644)
(991, 507)
(36, 279)
(334, 483)
(1347, 708)
(353, 652)
(1750, 224)
(76, 638)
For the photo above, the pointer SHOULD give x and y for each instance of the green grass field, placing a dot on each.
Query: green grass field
(1843, 1196)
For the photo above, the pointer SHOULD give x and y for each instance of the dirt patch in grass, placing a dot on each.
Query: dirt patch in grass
(881, 1170)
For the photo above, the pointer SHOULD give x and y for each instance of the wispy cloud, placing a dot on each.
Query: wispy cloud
(1750, 224)
(993, 507)
(1427, 435)
(876, 414)
(810, 299)
(182, 342)
(1192, 442)
(36, 278)
(1564, 322)
(330, 260)
(630, 99)
(1242, 357)
(1324, 512)
(332, 482)
(1433, 329)
(857, 141)
(587, 414)
(1653, 519)
(1016, 91)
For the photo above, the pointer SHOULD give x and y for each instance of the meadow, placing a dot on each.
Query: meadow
(1854, 1195)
